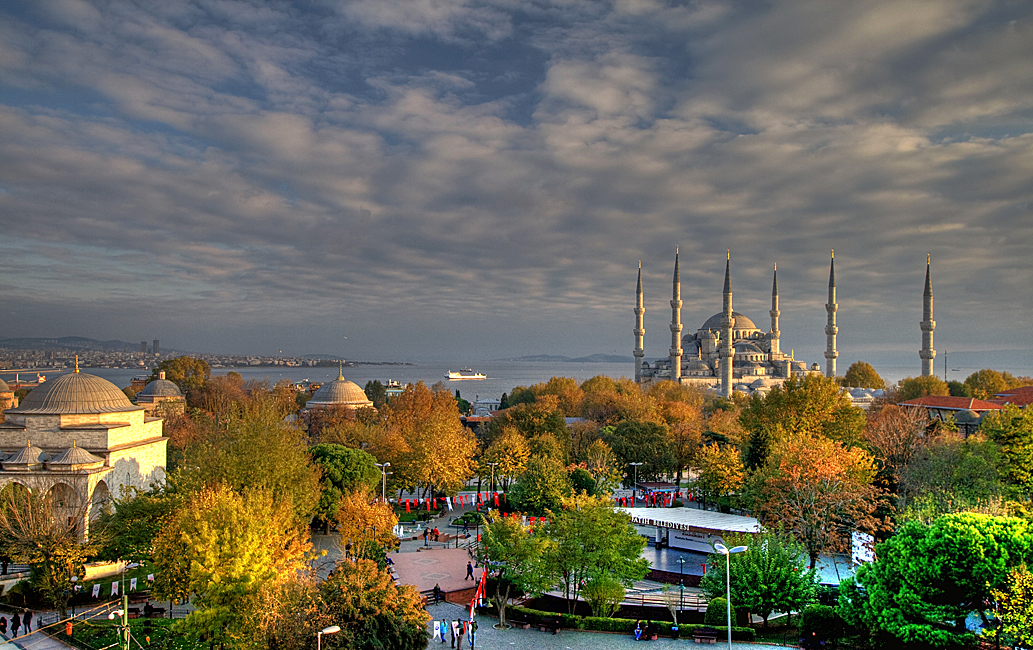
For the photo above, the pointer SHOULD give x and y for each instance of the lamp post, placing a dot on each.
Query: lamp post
(634, 486)
(492, 465)
(383, 473)
(681, 582)
(727, 552)
(333, 629)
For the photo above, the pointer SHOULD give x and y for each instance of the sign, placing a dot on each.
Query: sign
(691, 541)
(862, 548)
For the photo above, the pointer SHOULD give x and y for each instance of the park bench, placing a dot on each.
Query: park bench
(549, 623)
(518, 619)
(133, 612)
(705, 635)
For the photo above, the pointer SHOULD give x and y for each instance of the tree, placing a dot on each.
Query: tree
(958, 389)
(127, 531)
(511, 452)
(568, 395)
(984, 384)
(894, 435)
(601, 463)
(221, 394)
(819, 489)
(604, 594)
(770, 576)
(950, 474)
(644, 442)
(1015, 607)
(609, 402)
(589, 537)
(720, 472)
(234, 545)
(862, 375)
(533, 420)
(462, 405)
(929, 578)
(366, 523)
(516, 558)
(344, 469)
(1012, 429)
(542, 486)
(376, 393)
(581, 480)
(186, 372)
(911, 388)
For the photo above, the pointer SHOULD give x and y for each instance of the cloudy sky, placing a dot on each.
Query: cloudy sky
(472, 179)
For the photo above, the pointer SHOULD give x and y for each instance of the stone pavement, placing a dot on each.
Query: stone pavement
(442, 566)
(33, 641)
(489, 637)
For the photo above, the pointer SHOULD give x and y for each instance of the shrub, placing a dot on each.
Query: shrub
(821, 619)
(717, 612)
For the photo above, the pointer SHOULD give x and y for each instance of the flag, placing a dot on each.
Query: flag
(448, 502)
(407, 511)
(114, 588)
(496, 499)
(478, 595)
(132, 584)
(428, 505)
(96, 590)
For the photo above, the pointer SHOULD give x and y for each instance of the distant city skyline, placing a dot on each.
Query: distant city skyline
(414, 180)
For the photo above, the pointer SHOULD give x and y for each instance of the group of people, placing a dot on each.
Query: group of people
(457, 630)
(646, 632)
(22, 620)
(432, 533)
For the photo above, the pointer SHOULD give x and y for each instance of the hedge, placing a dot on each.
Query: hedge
(622, 625)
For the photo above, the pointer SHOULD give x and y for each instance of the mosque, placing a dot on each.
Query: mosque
(729, 352)
(79, 440)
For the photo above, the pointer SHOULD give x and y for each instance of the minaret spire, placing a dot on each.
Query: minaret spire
(640, 327)
(676, 326)
(727, 322)
(927, 353)
(773, 336)
(830, 329)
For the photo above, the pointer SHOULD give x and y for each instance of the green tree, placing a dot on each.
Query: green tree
(770, 576)
(344, 469)
(862, 375)
(929, 578)
(461, 404)
(1015, 607)
(985, 383)
(128, 529)
(950, 474)
(911, 388)
(581, 481)
(542, 486)
(958, 389)
(720, 472)
(375, 392)
(517, 560)
(642, 442)
(511, 452)
(188, 373)
(604, 594)
(588, 537)
(1012, 429)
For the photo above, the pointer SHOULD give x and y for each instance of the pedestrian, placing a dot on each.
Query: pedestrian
(638, 630)
(426, 532)
(469, 572)
(27, 621)
(3, 625)
(460, 633)
(466, 527)
(15, 624)
(437, 534)
(443, 625)
(437, 593)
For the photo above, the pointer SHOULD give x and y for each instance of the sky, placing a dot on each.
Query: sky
(431, 180)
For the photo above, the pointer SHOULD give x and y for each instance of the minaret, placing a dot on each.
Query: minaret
(774, 313)
(727, 321)
(640, 328)
(676, 325)
(927, 354)
(831, 330)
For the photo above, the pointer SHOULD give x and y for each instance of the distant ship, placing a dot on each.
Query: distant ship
(465, 373)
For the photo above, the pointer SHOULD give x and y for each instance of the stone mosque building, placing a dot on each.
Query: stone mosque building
(80, 440)
(729, 352)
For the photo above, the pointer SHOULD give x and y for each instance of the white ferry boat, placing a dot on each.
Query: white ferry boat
(465, 373)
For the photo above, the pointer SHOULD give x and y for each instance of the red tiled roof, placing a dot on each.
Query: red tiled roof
(1020, 396)
(955, 403)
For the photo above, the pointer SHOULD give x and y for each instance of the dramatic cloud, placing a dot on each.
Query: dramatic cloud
(437, 178)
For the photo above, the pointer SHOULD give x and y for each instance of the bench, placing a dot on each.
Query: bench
(518, 620)
(705, 635)
(134, 612)
(549, 623)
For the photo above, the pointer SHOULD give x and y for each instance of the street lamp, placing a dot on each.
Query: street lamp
(681, 582)
(333, 629)
(727, 552)
(383, 473)
(634, 486)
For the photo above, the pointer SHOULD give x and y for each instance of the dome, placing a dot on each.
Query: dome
(74, 394)
(741, 322)
(4, 388)
(340, 392)
(746, 347)
(160, 388)
(75, 458)
(26, 458)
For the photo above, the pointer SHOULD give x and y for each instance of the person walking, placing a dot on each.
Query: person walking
(426, 533)
(469, 572)
(27, 621)
(15, 624)
(460, 633)
(3, 626)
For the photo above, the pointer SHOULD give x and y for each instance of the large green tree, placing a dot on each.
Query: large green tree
(929, 578)
(770, 576)
(128, 529)
(344, 469)
(588, 537)
(634, 441)
(923, 386)
(517, 559)
(542, 486)
(1012, 429)
(188, 373)
(985, 383)
(861, 374)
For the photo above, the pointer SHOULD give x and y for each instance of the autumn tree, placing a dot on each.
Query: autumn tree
(517, 559)
(188, 373)
(589, 537)
(604, 467)
(343, 469)
(611, 401)
(861, 374)
(986, 383)
(365, 521)
(719, 472)
(438, 449)
(1011, 428)
(911, 388)
(542, 486)
(220, 394)
(894, 435)
(567, 392)
(818, 489)
(1015, 607)
(510, 453)
(532, 420)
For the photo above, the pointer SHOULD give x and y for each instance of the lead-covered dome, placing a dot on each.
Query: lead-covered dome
(160, 388)
(74, 394)
(4, 387)
(741, 322)
(340, 392)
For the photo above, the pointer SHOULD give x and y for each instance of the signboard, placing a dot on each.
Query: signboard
(862, 546)
(691, 541)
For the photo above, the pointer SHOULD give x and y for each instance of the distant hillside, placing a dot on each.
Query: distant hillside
(69, 343)
(554, 358)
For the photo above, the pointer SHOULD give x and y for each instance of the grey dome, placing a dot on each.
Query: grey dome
(161, 388)
(74, 394)
(26, 458)
(746, 347)
(75, 458)
(4, 387)
(741, 322)
(340, 392)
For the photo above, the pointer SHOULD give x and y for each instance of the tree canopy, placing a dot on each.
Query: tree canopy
(861, 374)
(911, 388)
(188, 373)
(343, 470)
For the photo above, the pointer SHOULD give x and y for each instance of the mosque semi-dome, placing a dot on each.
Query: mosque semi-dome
(741, 322)
(340, 392)
(75, 394)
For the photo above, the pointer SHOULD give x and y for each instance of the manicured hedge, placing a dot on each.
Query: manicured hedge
(621, 625)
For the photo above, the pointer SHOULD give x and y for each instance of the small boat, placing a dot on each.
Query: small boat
(465, 373)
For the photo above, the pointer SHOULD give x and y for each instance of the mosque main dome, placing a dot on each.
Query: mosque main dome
(75, 394)
(741, 322)
(340, 392)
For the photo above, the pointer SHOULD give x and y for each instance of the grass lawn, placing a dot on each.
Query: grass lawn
(101, 634)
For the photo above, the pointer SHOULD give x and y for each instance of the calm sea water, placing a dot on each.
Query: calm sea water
(503, 376)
